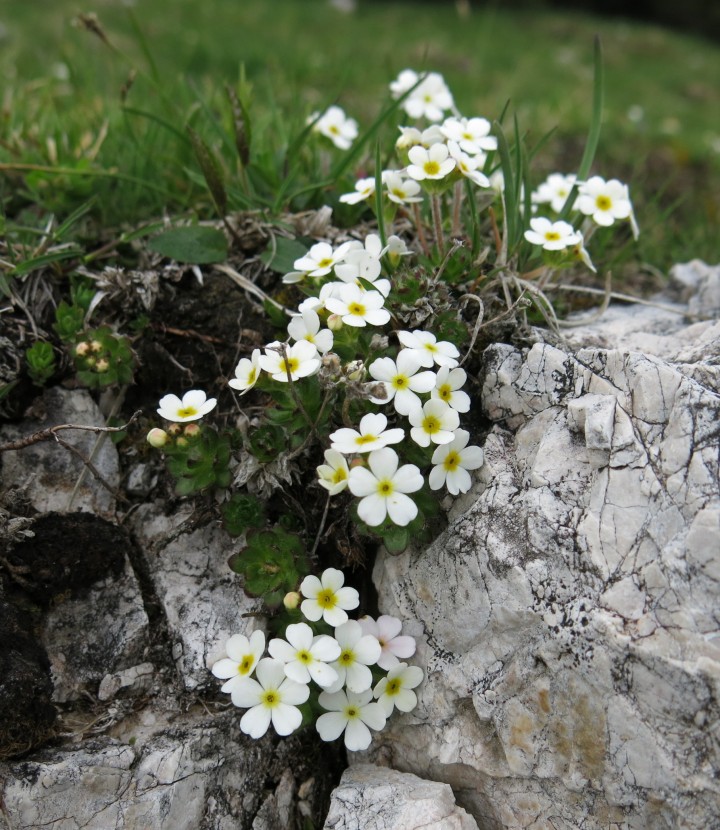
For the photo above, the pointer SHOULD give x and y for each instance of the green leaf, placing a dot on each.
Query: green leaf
(211, 171)
(193, 244)
(280, 256)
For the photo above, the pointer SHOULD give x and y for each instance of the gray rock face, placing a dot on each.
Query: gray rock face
(569, 615)
(202, 599)
(377, 798)
(50, 472)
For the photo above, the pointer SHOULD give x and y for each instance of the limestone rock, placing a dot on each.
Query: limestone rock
(377, 798)
(570, 613)
(202, 599)
(49, 472)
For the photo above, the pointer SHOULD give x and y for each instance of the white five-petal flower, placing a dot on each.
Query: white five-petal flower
(242, 657)
(193, 406)
(468, 165)
(321, 259)
(357, 651)
(428, 349)
(357, 307)
(553, 236)
(435, 422)
(554, 191)
(352, 714)
(273, 697)
(372, 435)
(395, 690)
(605, 201)
(306, 326)
(336, 126)
(364, 189)
(452, 462)
(471, 134)
(448, 388)
(400, 190)
(306, 656)
(247, 373)
(394, 645)
(326, 597)
(433, 163)
(299, 360)
(333, 476)
(383, 489)
(402, 380)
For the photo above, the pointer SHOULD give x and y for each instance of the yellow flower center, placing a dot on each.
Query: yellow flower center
(187, 412)
(271, 698)
(401, 381)
(452, 461)
(325, 263)
(445, 392)
(393, 686)
(365, 439)
(552, 236)
(252, 375)
(304, 656)
(352, 712)
(431, 425)
(399, 193)
(431, 168)
(334, 130)
(246, 664)
(385, 487)
(326, 599)
(339, 475)
(289, 366)
(357, 308)
(347, 658)
(431, 347)
(603, 202)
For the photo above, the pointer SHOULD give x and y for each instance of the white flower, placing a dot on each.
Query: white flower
(306, 326)
(305, 656)
(429, 99)
(333, 476)
(433, 163)
(246, 372)
(436, 422)
(193, 406)
(448, 386)
(553, 236)
(352, 714)
(394, 645)
(273, 697)
(472, 134)
(357, 652)
(453, 461)
(468, 165)
(400, 190)
(358, 308)
(242, 657)
(363, 262)
(327, 598)
(395, 690)
(336, 126)
(364, 189)
(554, 191)
(383, 489)
(372, 435)
(321, 259)
(405, 81)
(396, 248)
(299, 360)
(402, 380)
(580, 252)
(409, 137)
(425, 345)
(604, 201)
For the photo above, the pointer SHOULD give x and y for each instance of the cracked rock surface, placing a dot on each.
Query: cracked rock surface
(569, 616)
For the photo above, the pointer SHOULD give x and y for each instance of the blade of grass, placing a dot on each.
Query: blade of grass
(378, 196)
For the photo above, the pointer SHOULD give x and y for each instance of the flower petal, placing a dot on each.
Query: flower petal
(331, 725)
(286, 719)
(255, 721)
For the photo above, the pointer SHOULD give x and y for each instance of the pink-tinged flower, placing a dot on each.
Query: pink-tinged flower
(352, 714)
(383, 489)
(372, 435)
(452, 462)
(326, 597)
(402, 380)
(394, 646)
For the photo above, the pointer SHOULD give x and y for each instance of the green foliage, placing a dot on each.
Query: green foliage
(193, 244)
(271, 564)
(422, 529)
(242, 512)
(69, 321)
(199, 459)
(40, 360)
(103, 358)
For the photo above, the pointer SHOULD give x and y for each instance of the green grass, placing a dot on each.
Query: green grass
(660, 134)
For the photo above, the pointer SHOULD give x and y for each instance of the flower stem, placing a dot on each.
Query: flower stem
(437, 223)
(420, 229)
(457, 202)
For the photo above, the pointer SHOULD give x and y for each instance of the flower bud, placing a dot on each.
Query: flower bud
(291, 600)
(102, 365)
(96, 346)
(334, 322)
(192, 430)
(357, 462)
(181, 442)
(174, 430)
(82, 348)
(157, 437)
(355, 370)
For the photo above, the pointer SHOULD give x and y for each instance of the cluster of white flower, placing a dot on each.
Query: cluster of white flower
(335, 125)
(340, 669)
